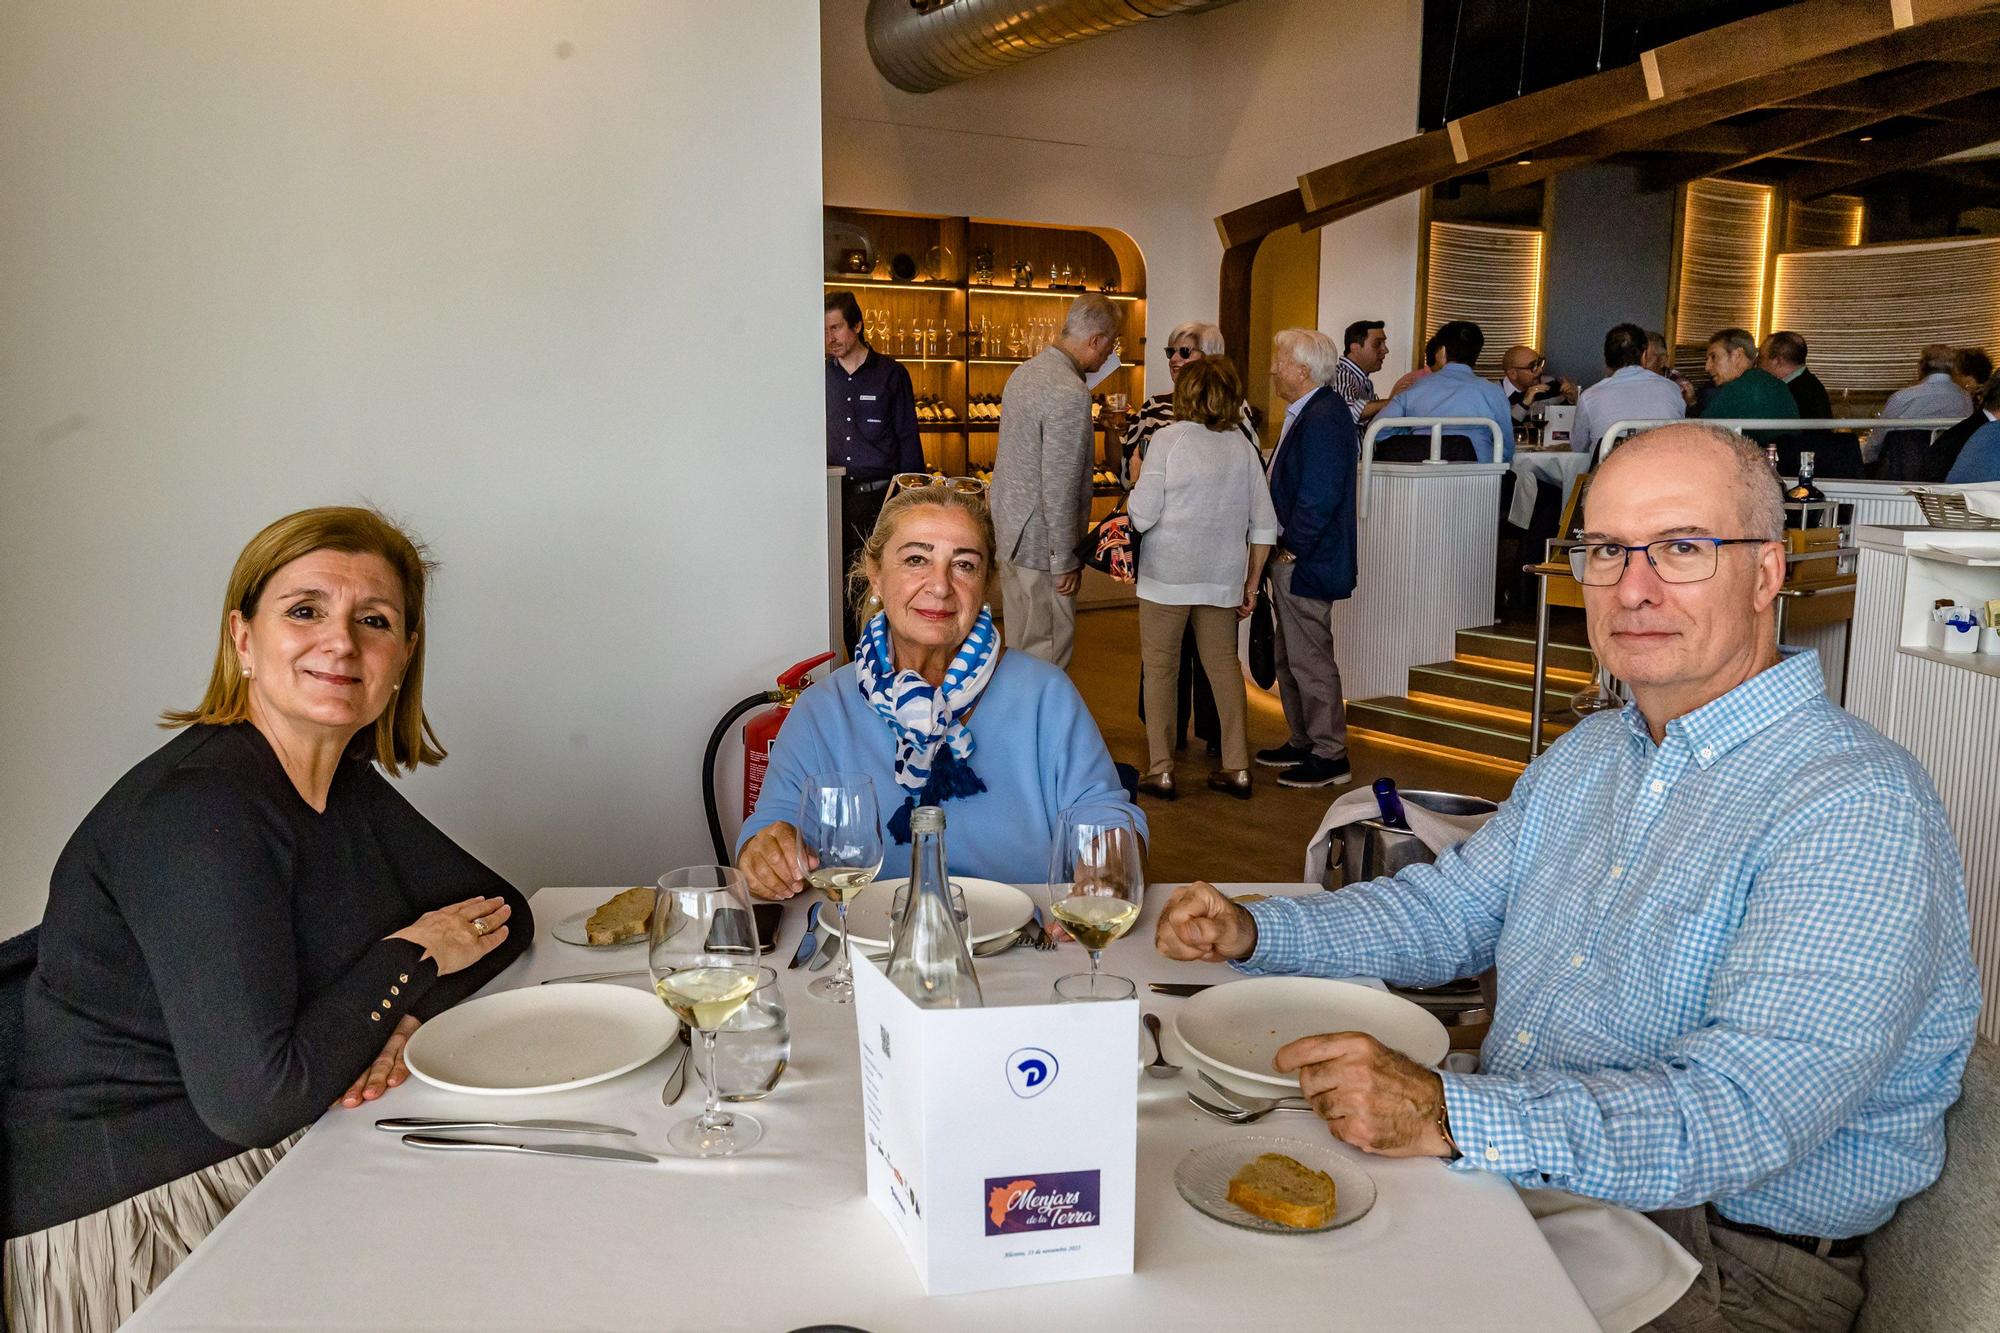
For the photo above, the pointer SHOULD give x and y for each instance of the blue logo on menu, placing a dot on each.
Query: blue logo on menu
(1031, 1070)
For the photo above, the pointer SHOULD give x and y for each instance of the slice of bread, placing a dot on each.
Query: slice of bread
(1284, 1190)
(625, 917)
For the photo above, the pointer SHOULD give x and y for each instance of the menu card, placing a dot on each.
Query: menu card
(1002, 1142)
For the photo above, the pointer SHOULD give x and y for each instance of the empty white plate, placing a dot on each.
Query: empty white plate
(1238, 1027)
(1203, 1180)
(541, 1039)
(993, 909)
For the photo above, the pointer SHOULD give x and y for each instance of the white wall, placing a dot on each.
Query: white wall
(1155, 130)
(517, 272)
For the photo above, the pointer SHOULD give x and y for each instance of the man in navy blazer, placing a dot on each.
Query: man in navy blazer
(1312, 475)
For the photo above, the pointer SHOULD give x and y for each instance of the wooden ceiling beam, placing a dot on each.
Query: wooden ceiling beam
(1763, 50)
(1705, 62)
(1816, 79)
(1793, 134)
(1911, 150)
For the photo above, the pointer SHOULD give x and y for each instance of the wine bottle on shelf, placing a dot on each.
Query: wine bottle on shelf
(1390, 804)
(1771, 457)
(928, 958)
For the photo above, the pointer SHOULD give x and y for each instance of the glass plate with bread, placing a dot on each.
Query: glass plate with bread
(1280, 1186)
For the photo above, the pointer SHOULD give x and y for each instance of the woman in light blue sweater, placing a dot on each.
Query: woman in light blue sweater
(934, 710)
(1205, 510)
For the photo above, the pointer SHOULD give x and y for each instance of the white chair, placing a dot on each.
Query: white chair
(1936, 1265)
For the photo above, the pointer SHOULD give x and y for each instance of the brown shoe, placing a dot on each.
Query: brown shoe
(1231, 782)
(1160, 785)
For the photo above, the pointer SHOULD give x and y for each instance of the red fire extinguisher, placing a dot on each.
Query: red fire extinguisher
(758, 733)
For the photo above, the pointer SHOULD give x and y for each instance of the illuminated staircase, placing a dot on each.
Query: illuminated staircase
(1475, 707)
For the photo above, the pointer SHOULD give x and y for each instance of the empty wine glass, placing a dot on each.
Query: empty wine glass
(701, 953)
(840, 849)
(1596, 697)
(1097, 880)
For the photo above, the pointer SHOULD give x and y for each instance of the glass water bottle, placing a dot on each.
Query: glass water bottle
(929, 960)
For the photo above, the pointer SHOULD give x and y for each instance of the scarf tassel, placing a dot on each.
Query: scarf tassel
(950, 779)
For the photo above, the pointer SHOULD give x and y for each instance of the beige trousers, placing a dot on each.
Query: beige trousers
(89, 1275)
(1040, 621)
(1160, 627)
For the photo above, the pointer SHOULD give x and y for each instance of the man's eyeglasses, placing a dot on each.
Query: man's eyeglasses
(1183, 353)
(916, 481)
(1674, 559)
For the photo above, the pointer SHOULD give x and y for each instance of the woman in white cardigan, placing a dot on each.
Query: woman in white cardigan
(1205, 512)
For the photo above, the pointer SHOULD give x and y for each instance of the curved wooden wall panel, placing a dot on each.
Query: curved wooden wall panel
(1491, 275)
(1865, 312)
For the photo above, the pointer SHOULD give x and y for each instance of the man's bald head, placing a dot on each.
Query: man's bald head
(1760, 499)
(1522, 365)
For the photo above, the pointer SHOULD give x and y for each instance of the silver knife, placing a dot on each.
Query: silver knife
(544, 1149)
(1179, 987)
(396, 1123)
(810, 940)
(827, 951)
(595, 976)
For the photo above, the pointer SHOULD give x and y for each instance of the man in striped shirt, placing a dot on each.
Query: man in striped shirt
(1367, 343)
(1730, 924)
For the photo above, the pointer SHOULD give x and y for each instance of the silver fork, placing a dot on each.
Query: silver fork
(1259, 1105)
(1228, 1115)
(1041, 939)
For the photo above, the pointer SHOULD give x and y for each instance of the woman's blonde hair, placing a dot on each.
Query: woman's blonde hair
(971, 503)
(402, 736)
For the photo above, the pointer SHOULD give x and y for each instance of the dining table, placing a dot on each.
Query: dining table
(355, 1230)
(1534, 468)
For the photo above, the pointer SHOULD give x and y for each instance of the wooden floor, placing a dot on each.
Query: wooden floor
(1204, 834)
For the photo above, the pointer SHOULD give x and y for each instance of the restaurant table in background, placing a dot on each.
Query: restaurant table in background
(1532, 468)
(353, 1230)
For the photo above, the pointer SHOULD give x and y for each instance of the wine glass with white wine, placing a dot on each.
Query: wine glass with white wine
(840, 849)
(1097, 880)
(701, 952)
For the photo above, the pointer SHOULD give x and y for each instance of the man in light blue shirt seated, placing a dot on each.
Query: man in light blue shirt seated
(1729, 922)
(1456, 391)
(1629, 393)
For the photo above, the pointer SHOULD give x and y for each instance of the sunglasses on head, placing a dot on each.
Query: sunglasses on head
(1183, 353)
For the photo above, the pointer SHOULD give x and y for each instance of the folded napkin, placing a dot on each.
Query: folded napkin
(1435, 831)
(1981, 497)
(1627, 1270)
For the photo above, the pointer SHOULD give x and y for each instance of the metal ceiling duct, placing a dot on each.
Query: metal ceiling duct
(923, 45)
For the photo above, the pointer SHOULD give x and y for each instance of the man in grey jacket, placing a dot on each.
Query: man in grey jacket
(1041, 480)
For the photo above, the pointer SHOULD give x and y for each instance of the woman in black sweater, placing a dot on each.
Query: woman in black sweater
(244, 931)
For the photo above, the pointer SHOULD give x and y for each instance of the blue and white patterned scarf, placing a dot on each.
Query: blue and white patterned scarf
(932, 740)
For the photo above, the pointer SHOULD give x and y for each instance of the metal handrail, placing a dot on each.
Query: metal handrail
(1619, 429)
(1437, 425)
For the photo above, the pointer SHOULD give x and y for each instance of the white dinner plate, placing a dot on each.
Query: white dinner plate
(993, 909)
(1202, 1177)
(1239, 1026)
(541, 1039)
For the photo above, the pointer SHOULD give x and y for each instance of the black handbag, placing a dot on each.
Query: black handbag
(1263, 639)
(1111, 546)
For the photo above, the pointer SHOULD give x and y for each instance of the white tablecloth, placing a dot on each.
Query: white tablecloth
(353, 1230)
(1556, 467)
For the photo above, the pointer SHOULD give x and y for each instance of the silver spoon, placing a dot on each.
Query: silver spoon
(677, 1077)
(1159, 1068)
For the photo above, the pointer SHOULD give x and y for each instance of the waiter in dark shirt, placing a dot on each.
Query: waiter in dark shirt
(871, 427)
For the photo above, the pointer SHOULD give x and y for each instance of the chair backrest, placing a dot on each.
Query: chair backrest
(1902, 456)
(1936, 1265)
(1417, 449)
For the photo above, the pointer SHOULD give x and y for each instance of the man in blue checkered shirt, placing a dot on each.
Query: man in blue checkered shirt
(1736, 987)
